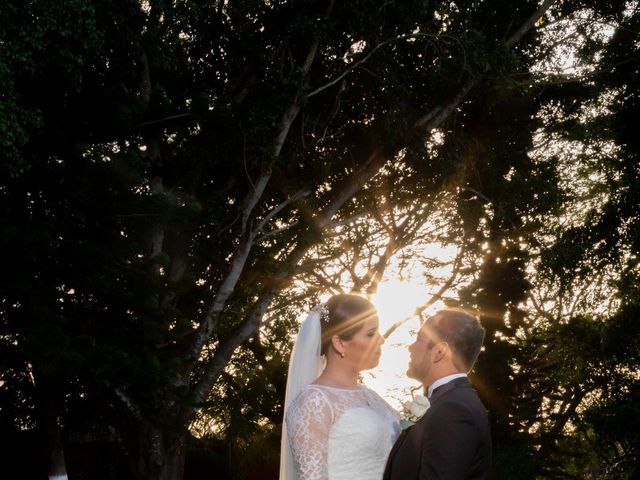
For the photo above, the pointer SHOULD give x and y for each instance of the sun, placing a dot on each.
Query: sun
(396, 301)
(409, 285)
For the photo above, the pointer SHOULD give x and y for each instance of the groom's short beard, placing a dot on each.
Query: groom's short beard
(417, 372)
(411, 373)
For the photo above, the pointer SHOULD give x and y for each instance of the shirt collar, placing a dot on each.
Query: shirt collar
(443, 381)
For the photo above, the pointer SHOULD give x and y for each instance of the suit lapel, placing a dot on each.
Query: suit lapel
(438, 393)
(399, 441)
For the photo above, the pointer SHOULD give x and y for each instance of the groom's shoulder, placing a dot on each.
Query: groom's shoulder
(461, 396)
(457, 407)
(467, 393)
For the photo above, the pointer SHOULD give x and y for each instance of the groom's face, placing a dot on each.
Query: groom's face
(420, 353)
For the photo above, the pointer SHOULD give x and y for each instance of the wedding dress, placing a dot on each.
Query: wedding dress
(340, 434)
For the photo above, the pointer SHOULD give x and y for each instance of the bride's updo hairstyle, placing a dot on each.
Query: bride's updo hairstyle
(344, 316)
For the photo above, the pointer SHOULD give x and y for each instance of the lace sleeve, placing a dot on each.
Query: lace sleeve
(308, 421)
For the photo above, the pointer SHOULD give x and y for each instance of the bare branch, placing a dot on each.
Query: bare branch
(361, 176)
(131, 406)
(294, 198)
(254, 196)
(538, 307)
(364, 59)
(237, 265)
(434, 298)
(350, 68)
(277, 231)
(529, 23)
(438, 114)
(162, 120)
(292, 112)
(226, 348)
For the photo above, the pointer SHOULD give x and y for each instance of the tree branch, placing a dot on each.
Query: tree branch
(225, 349)
(529, 23)
(363, 60)
(434, 298)
(370, 168)
(435, 116)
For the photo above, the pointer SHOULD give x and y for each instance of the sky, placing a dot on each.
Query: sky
(396, 300)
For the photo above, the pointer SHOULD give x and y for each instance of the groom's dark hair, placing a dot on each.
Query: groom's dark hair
(462, 331)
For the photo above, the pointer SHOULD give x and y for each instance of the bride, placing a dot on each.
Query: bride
(335, 428)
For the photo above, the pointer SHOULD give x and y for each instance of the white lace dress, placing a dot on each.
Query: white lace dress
(337, 434)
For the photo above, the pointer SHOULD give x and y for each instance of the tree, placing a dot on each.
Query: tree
(183, 162)
(560, 290)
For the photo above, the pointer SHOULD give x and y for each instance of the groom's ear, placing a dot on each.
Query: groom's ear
(440, 351)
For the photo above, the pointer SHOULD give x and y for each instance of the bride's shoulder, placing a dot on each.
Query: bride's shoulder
(312, 395)
(310, 401)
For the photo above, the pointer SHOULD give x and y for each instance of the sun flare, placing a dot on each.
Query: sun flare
(409, 285)
(397, 301)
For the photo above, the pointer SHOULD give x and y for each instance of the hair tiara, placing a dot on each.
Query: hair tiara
(324, 312)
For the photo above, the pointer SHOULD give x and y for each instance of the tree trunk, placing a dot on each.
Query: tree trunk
(160, 453)
(57, 468)
(45, 394)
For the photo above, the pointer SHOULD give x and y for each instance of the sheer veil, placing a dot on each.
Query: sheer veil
(305, 366)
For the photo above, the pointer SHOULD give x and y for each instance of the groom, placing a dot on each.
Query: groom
(452, 440)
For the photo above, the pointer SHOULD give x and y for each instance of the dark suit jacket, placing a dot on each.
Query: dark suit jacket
(451, 441)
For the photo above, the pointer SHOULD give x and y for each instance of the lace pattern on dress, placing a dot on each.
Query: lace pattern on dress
(312, 414)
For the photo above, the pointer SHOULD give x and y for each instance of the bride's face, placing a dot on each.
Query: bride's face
(363, 350)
